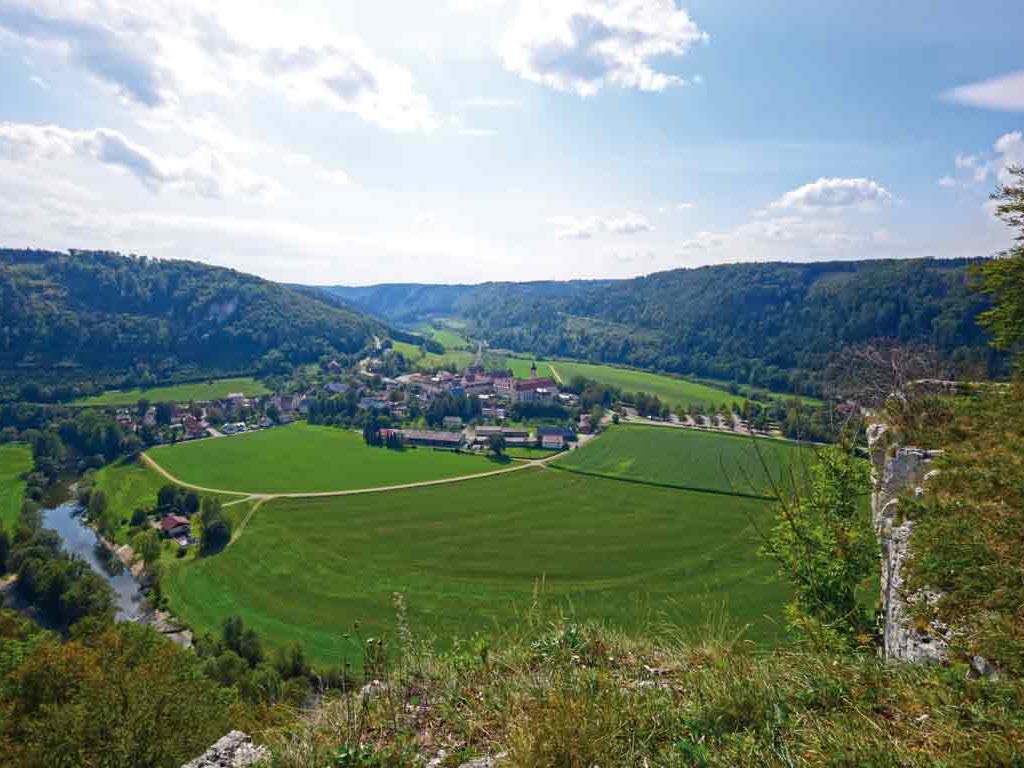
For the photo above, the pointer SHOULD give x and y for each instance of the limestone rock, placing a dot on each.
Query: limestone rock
(235, 750)
(982, 667)
(893, 472)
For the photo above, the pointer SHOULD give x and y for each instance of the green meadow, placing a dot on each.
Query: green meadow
(473, 555)
(127, 486)
(690, 458)
(15, 460)
(304, 457)
(671, 390)
(420, 358)
(178, 393)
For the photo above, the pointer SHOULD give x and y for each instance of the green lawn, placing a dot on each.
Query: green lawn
(448, 337)
(520, 367)
(470, 555)
(689, 458)
(127, 487)
(178, 393)
(524, 452)
(15, 460)
(670, 389)
(420, 358)
(303, 457)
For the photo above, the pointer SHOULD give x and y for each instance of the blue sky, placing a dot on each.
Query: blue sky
(330, 141)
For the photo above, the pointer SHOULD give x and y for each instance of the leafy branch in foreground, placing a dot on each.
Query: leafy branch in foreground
(825, 547)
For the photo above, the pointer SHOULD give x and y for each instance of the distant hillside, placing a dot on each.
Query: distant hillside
(772, 324)
(412, 302)
(94, 312)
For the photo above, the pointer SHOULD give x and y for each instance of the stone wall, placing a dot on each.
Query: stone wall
(897, 470)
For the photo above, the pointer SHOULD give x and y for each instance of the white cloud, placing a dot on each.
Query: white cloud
(1010, 148)
(202, 173)
(629, 224)
(154, 53)
(585, 228)
(974, 169)
(833, 194)
(584, 45)
(1005, 92)
(827, 218)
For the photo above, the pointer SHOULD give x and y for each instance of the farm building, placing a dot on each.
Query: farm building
(432, 438)
(554, 438)
(174, 526)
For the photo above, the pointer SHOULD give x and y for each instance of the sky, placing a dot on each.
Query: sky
(353, 142)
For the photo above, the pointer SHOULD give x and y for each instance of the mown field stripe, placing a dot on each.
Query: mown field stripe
(657, 484)
(516, 467)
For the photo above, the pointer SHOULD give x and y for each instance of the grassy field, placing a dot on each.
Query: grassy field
(688, 458)
(202, 390)
(471, 554)
(420, 358)
(15, 460)
(520, 367)
(127, 487)
(671, 390)
(528, 452)
(303, 457)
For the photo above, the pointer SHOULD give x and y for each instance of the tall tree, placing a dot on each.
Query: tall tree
(1003, 277)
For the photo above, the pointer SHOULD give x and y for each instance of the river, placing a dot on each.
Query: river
(82, 541)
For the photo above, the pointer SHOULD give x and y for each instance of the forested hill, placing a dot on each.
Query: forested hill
(772, 324)
(93, 312)
(412, 302)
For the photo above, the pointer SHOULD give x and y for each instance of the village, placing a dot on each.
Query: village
(443, 409)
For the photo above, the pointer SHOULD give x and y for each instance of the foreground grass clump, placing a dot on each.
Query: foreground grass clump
(178, 393)
(303, 458)
(575, 696)
(968, 542)
(15, 461)
(472, 555)
(688, 458)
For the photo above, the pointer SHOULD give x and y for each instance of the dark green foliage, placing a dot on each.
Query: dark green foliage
(216, 526)
(467, 407)
(63, 587)
(1003, 278)
(825, 546)
(107, 312)
(120, 696)
(773, 325)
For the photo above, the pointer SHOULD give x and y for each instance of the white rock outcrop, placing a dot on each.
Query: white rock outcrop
(235, 750)
(894, 470)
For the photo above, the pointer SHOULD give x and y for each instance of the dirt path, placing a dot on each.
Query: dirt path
(264, 497)
(556, 375)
